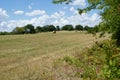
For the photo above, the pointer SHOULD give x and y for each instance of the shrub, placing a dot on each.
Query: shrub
(102, 61)
(116, 35)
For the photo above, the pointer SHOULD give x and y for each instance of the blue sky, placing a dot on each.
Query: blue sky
(15, 13)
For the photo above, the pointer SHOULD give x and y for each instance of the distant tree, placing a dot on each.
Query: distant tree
(51, 28)
(65, 27)
(57, 28)
(44, 28)
(5, 33)
(96, 28)
(89, 29)
(78, 27)
(39, 29)
(29, 28)
(19, 30)
(48, 28)
(86, 28)
(68, 27)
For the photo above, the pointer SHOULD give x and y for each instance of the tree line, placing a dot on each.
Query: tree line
(30, 29)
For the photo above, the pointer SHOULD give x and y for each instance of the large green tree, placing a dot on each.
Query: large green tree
(29, 28)
(79, 27)
(110, 12)
(39, 29)
(48, 28)
(19, 30)
(58, 28)
(68, 27)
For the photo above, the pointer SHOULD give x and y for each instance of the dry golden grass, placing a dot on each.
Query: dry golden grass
(31, 56)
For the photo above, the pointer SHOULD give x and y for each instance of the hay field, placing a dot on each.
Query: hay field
(31, 56)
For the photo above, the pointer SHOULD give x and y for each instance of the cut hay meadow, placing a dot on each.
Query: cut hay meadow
(33, 56)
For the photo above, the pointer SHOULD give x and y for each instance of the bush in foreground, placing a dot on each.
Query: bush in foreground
(101, 62)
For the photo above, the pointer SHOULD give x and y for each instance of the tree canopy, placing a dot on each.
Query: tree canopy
(29, 28)
(68, 27)
(79, 27)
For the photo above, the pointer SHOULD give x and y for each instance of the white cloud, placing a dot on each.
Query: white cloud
(2, 23)
(4, 27)
(35, 13)
(58, 14)
(29, 7)
(72, 9)
(57, 18)
(19, 12)
(3, 15)
(79, 3)
(65, 8)
(60, 22)
(85, 19)
(10, 25)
